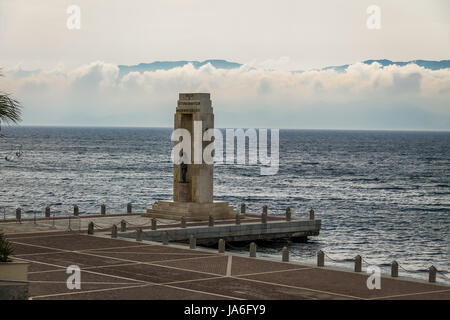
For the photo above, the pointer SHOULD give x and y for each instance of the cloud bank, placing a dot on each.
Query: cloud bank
(363, 97)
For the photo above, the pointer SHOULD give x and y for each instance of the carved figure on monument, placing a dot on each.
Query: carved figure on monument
(184, 168)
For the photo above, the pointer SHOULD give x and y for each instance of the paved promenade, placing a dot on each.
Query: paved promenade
(127, 269)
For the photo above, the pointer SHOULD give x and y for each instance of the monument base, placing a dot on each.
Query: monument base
(193, 211)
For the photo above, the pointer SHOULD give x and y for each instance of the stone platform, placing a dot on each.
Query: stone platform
(121, 269)
(192, 211)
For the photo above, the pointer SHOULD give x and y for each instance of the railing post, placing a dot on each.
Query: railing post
(243, 207)
(165, 238)
(394, 269)
(252, 249)
(139, 234)
(288, 214)
(75, 210)
(91, 228)
(285, 254)
(123, 226)
(320, 258)
(114, 231)
(432, 274)
(129, 209)
(358, 263)
(311, 214)
(192, 242)
(221, 246)
(103, 209)
(264, 215)
(47, 212)
(19, 214)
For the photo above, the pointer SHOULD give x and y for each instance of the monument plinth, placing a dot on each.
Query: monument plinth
(192, 176)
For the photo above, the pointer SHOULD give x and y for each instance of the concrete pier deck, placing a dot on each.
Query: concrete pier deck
(128, 269)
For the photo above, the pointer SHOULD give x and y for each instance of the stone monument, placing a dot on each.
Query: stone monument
(193, 180)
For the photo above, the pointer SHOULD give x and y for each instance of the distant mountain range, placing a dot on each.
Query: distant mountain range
(223, 64)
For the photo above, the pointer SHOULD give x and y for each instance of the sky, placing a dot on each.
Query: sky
(70, 77)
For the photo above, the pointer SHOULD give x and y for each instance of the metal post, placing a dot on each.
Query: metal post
(47, 212)
(358, 263)
(139, 234)
(103, 209)
(285, 254)
(75, 210)
(192, 242)
(238, 219)
(288, 214)
(19, 215)
(243, 207)
(252, 249)
(165, 238)
(394, 269)
(91, 228)
(123, 226)
(129, 207)
(154, 224)
(221, 246)
(114, 231)
(311, 214)
(432, 274)
(320, 258)
(183, 222)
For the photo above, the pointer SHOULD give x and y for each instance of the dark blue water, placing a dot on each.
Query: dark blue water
(384, 195)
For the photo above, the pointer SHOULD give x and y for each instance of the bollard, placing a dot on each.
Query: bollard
(265, 209)
(114, 231)
(320, 258)
(238, 219)
(123, 226)
(154, 225)
(47, 212)
(129, 207)
(183, 222)
(192, 242)
(252, 249)
(75, 210)
(394, 269)
(285, 254)
(221, 246)
(19, 214)
(264, 217)
(165, 238)
(103, 209)
(243, 207)
(211, 221)
(91, 228)
(139, 234)
(311, 214)
(358, 263)
(432, 274)
(288, 214)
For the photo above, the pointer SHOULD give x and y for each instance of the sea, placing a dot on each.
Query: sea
(384, 195)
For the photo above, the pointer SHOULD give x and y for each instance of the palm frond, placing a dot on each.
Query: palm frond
(10, 109)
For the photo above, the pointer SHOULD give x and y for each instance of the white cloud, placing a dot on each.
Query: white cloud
(94, 94)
